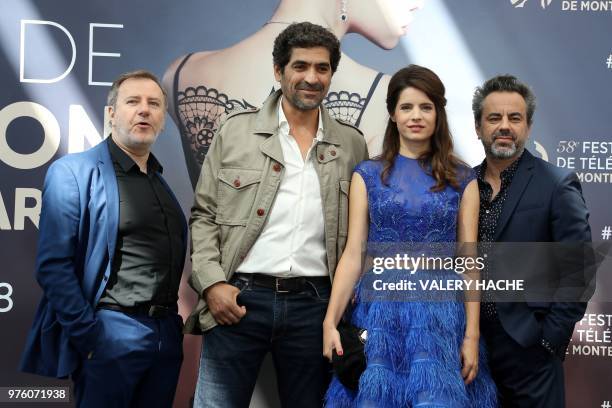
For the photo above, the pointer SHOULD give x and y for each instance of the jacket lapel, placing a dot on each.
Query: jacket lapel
(271, 147)
(266, 123)
(515, 191)
(105, 165)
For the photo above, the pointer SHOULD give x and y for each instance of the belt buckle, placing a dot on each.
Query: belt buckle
(158, 311)
(277, 287)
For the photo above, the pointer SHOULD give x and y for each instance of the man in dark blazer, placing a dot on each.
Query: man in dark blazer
(525, 199)
(111, 249)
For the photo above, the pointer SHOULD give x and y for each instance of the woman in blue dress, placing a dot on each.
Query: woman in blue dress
(420, 352)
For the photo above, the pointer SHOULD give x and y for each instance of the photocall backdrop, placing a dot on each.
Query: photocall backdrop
(57, 60)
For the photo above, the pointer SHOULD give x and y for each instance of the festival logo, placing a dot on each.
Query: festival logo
(518, 3)
(540, 150)
(521, 3)
(601, 6)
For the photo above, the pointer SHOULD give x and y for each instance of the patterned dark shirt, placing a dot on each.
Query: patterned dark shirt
(490, 211)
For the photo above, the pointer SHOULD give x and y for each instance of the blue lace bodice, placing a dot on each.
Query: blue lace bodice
(407, 211)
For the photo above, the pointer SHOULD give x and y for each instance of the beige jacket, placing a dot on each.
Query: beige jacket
(238, 182)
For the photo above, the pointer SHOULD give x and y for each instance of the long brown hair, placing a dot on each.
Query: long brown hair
(439, 160)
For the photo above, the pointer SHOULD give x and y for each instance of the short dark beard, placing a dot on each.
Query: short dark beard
(301, 105)
(293, 98)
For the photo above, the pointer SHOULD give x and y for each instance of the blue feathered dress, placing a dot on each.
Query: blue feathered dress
(414, 342)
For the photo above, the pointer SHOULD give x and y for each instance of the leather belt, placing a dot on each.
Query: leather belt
(283, 285)
(157, 311)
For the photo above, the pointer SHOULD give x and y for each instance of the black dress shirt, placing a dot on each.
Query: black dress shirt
(147, 261)
(490, 211)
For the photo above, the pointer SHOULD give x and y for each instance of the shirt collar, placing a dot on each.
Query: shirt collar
(284, 125)
(506, 175)
(126, 162)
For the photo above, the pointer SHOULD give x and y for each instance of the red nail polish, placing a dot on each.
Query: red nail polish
(340, 353)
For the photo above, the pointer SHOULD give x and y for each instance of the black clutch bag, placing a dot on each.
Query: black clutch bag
(352, 363)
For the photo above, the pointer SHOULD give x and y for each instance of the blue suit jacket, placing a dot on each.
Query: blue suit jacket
(76, 243)
(544, 204)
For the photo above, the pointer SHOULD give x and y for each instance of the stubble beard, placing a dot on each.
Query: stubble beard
(305, 104)
(505, 152)
(301, 104)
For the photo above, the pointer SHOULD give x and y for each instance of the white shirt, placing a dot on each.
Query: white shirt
(292, 242)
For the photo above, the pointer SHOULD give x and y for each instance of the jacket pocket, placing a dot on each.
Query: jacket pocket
(236, 191)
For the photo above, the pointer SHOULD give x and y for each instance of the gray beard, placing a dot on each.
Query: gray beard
(503, 153)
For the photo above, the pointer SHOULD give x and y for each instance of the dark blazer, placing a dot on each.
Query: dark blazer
(77, 236)
(544, 204)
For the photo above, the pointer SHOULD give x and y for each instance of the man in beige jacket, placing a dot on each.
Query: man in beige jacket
(268, 226)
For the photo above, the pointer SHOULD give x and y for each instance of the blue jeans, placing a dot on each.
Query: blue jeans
(289, 325)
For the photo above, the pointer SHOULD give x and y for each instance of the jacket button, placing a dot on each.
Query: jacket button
(333, 153)
(260, 212)
(276, 167)
(321, 157)
(236, 183)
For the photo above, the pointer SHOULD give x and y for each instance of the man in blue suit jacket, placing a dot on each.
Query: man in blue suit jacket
(110, 256)
(525, 199)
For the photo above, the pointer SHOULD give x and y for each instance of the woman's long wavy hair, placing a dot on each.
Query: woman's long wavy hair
(439, 160)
